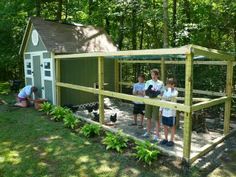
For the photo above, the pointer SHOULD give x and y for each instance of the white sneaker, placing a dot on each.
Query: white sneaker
(155, 138)
(146, 135)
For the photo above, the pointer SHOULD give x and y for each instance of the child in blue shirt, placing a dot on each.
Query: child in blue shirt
(138, 90)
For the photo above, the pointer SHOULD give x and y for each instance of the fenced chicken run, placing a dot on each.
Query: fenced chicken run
(189, 105)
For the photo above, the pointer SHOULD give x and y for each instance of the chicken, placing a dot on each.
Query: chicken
(95, 117)
(113, 118)
(89, 108)
(152, 93)
(71, 107)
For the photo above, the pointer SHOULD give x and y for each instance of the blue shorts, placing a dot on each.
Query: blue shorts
(168, 121)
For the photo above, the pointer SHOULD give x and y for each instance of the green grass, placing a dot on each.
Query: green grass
(33, 145)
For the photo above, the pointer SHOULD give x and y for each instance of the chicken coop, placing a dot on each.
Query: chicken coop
(43, 39)
(162, 57)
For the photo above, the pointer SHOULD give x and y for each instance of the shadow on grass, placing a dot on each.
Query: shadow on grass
(32, 145)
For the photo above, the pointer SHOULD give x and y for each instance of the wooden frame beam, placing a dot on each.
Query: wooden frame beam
(167, 51)
(210, 103)
(101, 88)
(229, 86)
(177, 62)
(188, 102)
(154, 102)
(116, 75)
(196, 91)
(58, 79)
(207, 148)
(211, 53)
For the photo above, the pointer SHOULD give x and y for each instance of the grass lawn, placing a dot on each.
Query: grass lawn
(32, 145)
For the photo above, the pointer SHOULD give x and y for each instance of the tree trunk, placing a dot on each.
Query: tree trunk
(134, 29)
(174, 8)
(59, 10)
(141, 36)
(107, 25)
(121, 32)
(188, 19)
(38, 7)
(165, 24)
(90, 3)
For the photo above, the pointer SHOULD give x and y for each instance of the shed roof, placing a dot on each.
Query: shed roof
(69, 38)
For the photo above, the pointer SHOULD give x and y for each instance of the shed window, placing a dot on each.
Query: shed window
(47, 65)
(47, 73)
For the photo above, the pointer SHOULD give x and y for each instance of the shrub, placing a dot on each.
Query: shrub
(5, 88)
(70, 121)
(46, 107)
(146, 152)
(58, 113)
(115, 142)
(90, 130)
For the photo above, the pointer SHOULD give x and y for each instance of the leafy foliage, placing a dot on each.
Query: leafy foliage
(90, 130)
(70, 121)
(46, 107)
(5, 88)
(115, 142)
(58, 113)
(146, 152)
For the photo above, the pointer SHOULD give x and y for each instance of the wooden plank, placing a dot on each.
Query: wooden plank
(140, 61)
(78, 87)
(100, 88)
(116, 75)
(188, 102)
(177, 62)
(210, 103)
(154, 102)
(207, 148)
(121, 78)
(58, 78)
(196, 91)
(229, 86)
(163, 77)
(211, 53)
(148, 52)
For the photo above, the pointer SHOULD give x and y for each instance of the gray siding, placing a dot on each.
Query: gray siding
(28, 81)
(48, 90)
(31, 48)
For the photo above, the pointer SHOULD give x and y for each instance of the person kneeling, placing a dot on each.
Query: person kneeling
(23, 97)
(169, 115)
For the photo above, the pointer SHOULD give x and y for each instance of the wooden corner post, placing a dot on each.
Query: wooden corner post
(117, 75)
(188, 102)
(101, 87)
(58, 79)
(229, 81)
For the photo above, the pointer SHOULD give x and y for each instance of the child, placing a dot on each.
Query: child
(169, 115)
(152, 112)
(138, 90)
(23, 97)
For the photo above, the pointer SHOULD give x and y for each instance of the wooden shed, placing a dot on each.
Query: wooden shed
(43, 39)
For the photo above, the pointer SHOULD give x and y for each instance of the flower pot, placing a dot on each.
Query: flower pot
(38, 102)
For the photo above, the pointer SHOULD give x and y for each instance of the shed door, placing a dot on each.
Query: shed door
(37, 75)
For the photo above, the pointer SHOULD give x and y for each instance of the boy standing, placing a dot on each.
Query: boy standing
(138, 90)
(153, 87)
(169, 115)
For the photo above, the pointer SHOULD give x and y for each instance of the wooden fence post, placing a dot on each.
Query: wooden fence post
(101, 87)
(229, 81)
(116, 68)
(58, 79)
(188, 102)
